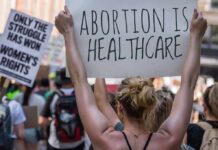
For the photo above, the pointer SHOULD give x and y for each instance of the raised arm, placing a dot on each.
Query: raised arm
(95, 123)
(103, 101)
(175, 126)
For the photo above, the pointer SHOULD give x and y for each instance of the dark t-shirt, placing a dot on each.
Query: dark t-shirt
(195, 134)
(46, 112)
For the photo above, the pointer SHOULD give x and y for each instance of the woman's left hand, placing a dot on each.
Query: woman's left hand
(64, 21)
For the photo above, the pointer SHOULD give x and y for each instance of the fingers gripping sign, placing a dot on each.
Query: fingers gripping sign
(198, 24)
(64, 21)
(67, 11)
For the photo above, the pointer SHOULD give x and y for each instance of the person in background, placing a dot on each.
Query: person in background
(195, 132)
(31, 99)
(17, 120)
(59, 106)
(12, 91)
(43, 88)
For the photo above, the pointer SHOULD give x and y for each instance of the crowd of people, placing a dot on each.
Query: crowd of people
(73, 115)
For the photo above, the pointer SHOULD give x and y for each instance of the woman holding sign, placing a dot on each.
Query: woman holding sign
(101, 129)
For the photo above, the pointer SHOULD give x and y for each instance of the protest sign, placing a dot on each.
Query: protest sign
(55, 52)
(120, 38)
(22, 45)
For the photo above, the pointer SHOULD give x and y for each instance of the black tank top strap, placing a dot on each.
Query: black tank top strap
(126, 139)
(148, 141)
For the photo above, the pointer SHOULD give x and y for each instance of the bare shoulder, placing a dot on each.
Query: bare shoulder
(115, 140)
(163, 141)
(111, 139)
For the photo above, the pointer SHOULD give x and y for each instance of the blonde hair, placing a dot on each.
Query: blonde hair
(137, 96)
(211, 99)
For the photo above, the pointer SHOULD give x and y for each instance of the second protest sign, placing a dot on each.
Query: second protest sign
(22, 45)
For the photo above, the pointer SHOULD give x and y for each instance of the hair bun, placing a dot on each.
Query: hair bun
(142, 92)
(137, 96)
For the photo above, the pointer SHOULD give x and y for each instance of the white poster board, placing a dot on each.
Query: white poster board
(54, 55)
(22, 45)
(122, 38)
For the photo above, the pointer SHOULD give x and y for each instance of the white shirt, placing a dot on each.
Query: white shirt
(17, 114)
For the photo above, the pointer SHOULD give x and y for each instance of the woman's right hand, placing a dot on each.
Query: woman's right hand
(198, 25)
(64, 21)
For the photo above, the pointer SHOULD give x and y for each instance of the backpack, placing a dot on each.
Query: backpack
(6, 139)
(210, 138)
(66, 118)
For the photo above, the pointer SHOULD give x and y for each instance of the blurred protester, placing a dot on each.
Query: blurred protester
(15, 124)
(12, 91)
(158, 83)
(197, 112)
(66, 130)
(44, 88)
(29, 98)
(204, 135)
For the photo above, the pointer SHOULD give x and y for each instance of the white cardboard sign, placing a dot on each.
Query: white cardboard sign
(121, 38)
(22, 45)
